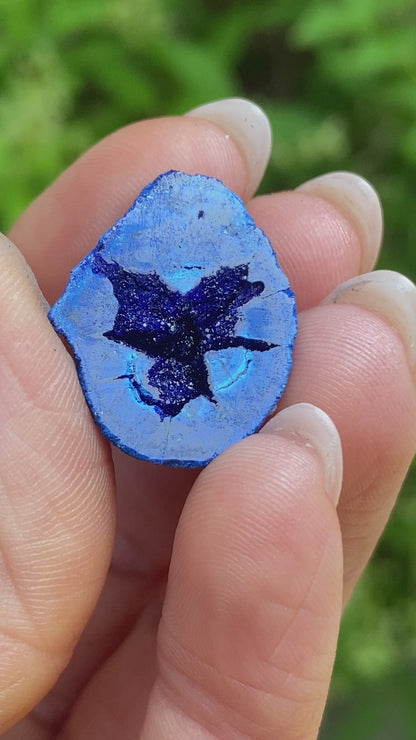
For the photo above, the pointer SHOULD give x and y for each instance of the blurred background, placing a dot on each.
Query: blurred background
(338, 81)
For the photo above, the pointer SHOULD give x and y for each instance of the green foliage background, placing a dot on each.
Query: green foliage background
(338, 80)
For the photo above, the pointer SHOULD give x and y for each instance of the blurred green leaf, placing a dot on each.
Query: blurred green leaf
(383, 710)
(326, 22)
(196, 73)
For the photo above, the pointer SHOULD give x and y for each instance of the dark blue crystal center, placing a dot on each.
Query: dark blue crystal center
(177, 329)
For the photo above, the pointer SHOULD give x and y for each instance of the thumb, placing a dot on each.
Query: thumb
(56, 486)
(250, 623)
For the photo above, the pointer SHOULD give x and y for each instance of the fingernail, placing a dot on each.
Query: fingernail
(389, 294)
(248, 126)
(311, 426)
(356, 199)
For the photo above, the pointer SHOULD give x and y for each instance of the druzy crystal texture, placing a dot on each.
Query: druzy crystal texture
(181, 322)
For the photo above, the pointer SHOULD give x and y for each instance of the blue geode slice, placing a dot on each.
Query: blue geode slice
(181, 322)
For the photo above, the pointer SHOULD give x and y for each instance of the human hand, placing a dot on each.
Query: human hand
(262, 556)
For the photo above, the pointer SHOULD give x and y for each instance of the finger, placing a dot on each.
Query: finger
(66, 221)
(325, 232)
(355, 358)
(56, 497)
(250, 621)
(246, 123)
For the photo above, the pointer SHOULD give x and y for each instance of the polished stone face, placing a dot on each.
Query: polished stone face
(181, 322)
(177, 329)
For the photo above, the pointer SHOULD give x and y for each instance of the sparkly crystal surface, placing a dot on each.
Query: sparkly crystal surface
(181, 322)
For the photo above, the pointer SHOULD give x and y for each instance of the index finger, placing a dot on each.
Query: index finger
(317, 240)
(65, 222)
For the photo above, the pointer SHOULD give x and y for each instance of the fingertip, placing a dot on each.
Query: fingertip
(317, 246)
(311, 426)
(249, 127)
(254, 594)
(389, 294)
(356, 198)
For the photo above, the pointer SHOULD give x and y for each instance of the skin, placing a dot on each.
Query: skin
(249, 560)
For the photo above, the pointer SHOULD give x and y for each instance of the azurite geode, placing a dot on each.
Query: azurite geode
(181, 322)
